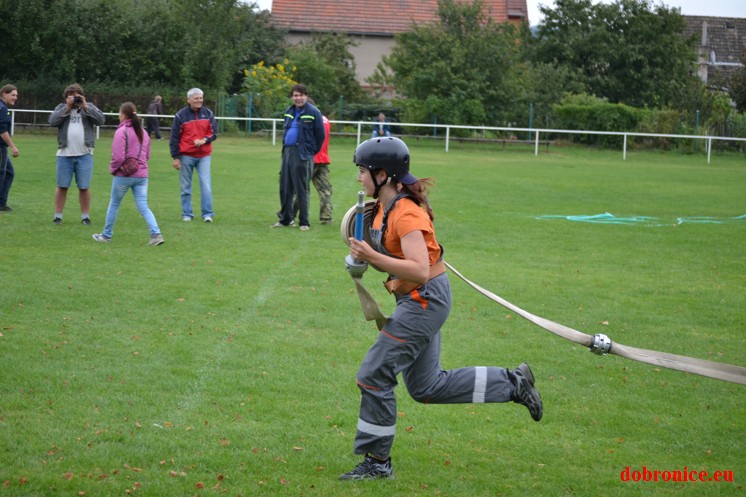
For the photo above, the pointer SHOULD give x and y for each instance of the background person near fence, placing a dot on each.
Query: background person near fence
(76, 120)
(129, 141)
(8, 97)
(192, 133)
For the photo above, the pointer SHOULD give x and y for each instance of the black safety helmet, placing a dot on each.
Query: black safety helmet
(387, 153)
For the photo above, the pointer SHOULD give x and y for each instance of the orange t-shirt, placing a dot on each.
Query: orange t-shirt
(404, 218)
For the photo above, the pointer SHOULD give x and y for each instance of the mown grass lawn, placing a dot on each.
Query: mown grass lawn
(223, 362)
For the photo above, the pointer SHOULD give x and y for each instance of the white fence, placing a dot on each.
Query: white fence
(448, 127)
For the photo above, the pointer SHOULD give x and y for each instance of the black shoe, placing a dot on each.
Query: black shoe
(370, 469)
(5, 208)
(525, 393)
(86, 221)
(57, 220)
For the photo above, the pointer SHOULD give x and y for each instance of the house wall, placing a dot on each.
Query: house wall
(367, 53)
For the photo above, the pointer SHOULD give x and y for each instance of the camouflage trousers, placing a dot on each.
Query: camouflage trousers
(320, 179)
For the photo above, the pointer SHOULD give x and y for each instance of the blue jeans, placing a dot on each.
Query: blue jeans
(80, 165)
(376, 135)
(202, 165)
(7, 173)
(119, 188)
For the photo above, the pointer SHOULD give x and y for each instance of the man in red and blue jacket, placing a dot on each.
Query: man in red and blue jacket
(192, 134)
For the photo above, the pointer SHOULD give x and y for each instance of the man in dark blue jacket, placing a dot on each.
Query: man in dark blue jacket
(303, 137)
(8, 96)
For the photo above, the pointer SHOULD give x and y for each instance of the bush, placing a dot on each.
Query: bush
(583, 112)
(658, 121)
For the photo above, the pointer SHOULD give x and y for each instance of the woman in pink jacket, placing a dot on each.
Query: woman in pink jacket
(129, 141)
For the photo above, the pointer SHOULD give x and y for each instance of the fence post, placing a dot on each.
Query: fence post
(448, 135)
(251, 102)
(536, 145)
(624, 155)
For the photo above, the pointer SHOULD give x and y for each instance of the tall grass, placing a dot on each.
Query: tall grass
(223, 362)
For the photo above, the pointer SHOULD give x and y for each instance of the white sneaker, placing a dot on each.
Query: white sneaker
(278, 224)
(99, 237)
(156, 240)
(186, 219)
(305, 227)
(207, 219)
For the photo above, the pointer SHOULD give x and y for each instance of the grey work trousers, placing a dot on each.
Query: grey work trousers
(410, 344)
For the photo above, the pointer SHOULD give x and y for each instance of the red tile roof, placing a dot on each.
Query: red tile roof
(374, 18)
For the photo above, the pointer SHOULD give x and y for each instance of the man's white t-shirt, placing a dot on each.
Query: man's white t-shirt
(75, 137)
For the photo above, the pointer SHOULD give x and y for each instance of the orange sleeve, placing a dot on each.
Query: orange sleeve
(405, 218)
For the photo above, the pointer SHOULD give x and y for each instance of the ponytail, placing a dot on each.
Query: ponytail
(418, 191)
(129, 111)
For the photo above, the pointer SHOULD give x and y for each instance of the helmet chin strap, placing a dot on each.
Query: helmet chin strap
(378, 185)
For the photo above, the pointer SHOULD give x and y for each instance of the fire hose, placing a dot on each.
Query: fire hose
(361, 215)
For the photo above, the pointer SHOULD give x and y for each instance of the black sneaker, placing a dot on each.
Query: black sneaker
(5, 208)
(57, 220)
(86, 221)
(370, 469)
(525, 393)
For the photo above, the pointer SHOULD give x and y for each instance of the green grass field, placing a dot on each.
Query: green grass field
(223, 362)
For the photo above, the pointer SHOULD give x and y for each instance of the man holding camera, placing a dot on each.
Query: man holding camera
(75, 120)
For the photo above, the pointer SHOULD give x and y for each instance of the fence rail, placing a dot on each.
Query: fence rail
(533, 133)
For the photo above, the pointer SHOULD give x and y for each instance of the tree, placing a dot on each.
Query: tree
(738, 85)
(327, 68)
(169, 43)
(464, 68)
(270, 85)
(628, 51)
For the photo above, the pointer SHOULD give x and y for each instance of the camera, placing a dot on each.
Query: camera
(77, 100)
